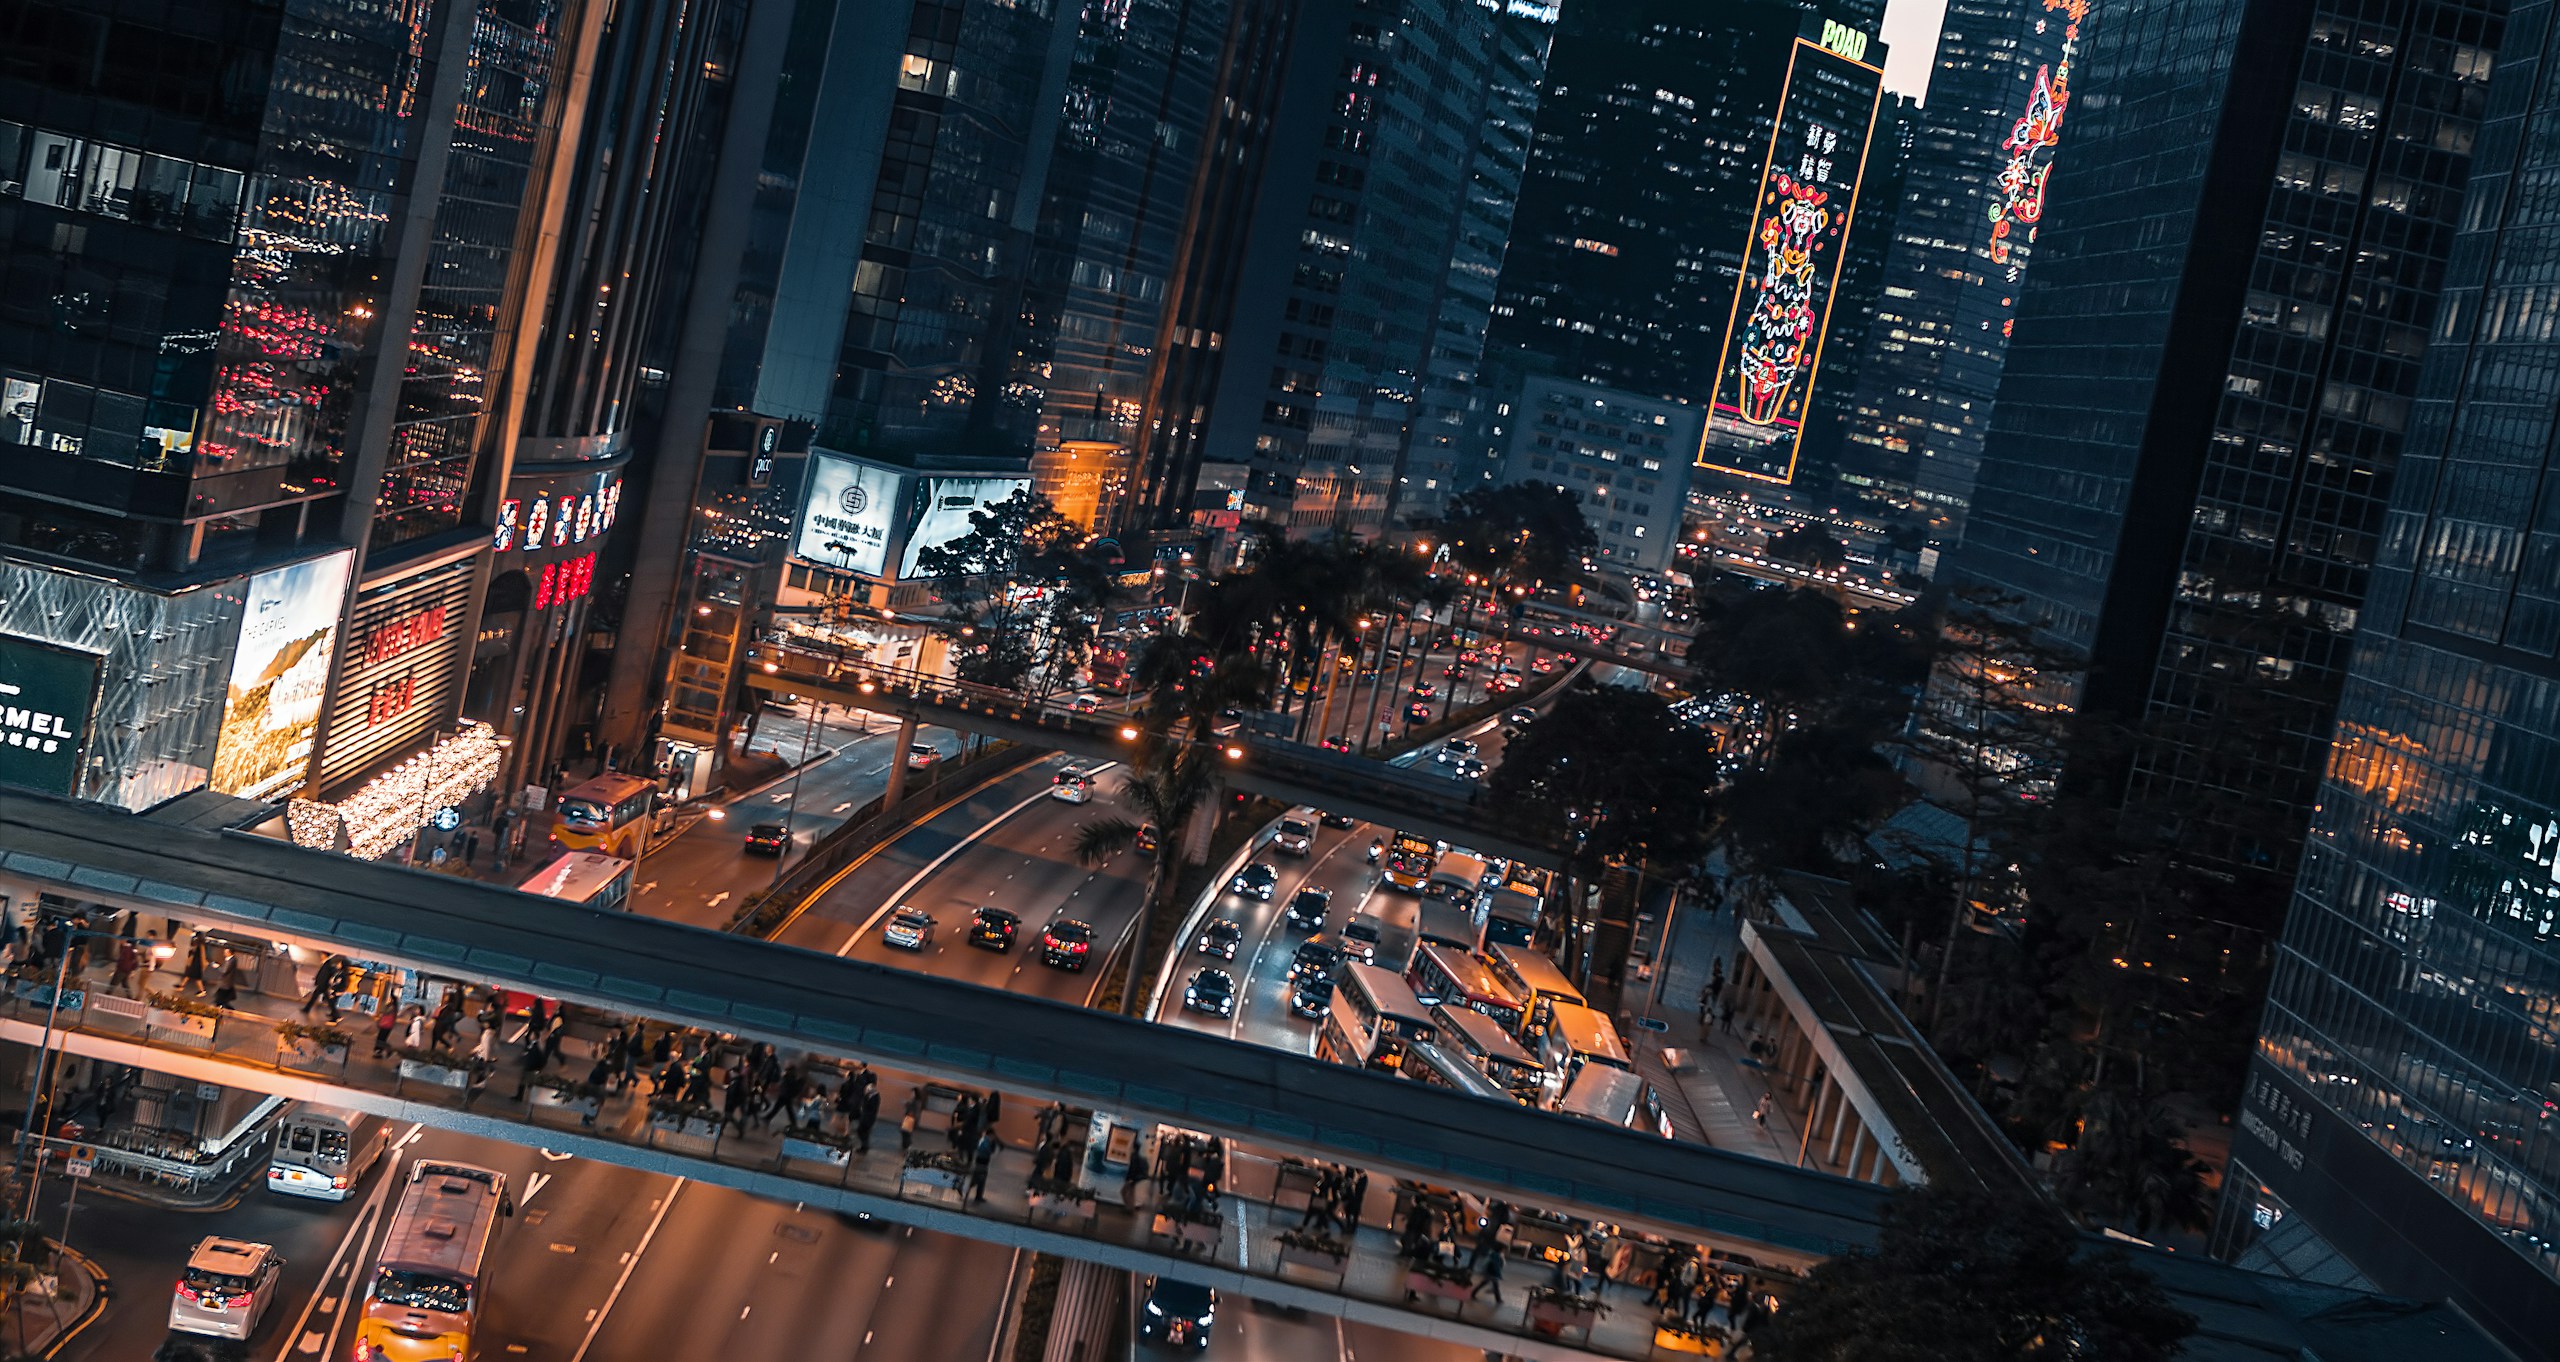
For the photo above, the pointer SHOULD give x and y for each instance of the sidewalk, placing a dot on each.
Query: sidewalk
(41, 1325)
(1718, 1081)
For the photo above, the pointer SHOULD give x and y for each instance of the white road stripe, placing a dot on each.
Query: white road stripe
(630, 1264)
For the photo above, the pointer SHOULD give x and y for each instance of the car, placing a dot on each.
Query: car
(1257, 880)
(909, 929)
(1307, 908)
(1542, 665)
(1455, 670)
(1211, 990)
(1468, 768)
(227, 1288)
(1338, 820)
(768, 839)
(1337, 743)
(1220, 937)
(1296, 835)
(1146, 841)
(1316, 957)
(1521, 717)
(1424, 690)
(1067, 944)
(1178, 1313)
(1452, 750)
(1084, 704)
(993, 929)
(1417, 713)
(1072, 786)
(921, 756)
(1311, 995)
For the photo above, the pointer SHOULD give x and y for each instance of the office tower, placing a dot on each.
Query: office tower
(1763, 390)
(1358, 309)
(1625, 455)
(2397, 1123)
(1859, 326)
(1629, 235)
(959, 218)
(1973, 196)
(2205, 396)
(256, 321)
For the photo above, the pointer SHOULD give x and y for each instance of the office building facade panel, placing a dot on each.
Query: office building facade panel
(2400, 1103)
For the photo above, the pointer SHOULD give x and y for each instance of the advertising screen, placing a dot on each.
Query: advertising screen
(288, 632)
(47, 696)
(1791, 261)
(847, 515)
(941, 512)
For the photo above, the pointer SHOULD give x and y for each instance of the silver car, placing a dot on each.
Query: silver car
(227, 1288)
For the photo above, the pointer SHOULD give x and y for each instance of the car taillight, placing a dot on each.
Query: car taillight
(273, 1173)
(342, 1182)
(239, 1302)
(187, 1293)
(1077, 947)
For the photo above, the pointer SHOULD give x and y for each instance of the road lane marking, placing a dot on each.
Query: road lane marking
(631, 1263)
(936, 864)
(365, 1216)
(718, 899)
(533, 1186)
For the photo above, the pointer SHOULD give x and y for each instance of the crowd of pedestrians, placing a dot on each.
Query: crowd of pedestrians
(1334, 1204)
(1691, 1292)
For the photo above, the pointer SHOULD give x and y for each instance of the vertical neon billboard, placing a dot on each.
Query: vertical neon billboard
(2017, 203)
(1791, 260)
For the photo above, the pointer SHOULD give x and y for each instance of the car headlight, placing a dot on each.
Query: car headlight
(1155, 1310)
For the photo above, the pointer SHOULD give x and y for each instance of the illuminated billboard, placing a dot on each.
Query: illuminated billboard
(1792, 258)
(279, 672)
(847, 515)
(941, 512)
(48, 695)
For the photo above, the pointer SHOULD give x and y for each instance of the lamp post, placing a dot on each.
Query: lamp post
(46, 1070)
(791, 809)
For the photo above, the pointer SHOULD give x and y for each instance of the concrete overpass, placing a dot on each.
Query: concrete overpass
(1459, 812)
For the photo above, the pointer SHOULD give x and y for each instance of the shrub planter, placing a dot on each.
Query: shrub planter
(433, 1074)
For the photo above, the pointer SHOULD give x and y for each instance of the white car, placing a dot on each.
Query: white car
(1297, 834)
(921, 756)
(909, 929)
(227, 1288)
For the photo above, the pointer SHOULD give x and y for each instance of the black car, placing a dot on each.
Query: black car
(1311, 995)
(993, 928)
(1219, 937)
(1068, 944)
(1417, 713)
(768, 839)
(1257, 880)
(1211, 990)
(1339, 820)
(1307, 908)
(1315, 957)
(1178, 1313)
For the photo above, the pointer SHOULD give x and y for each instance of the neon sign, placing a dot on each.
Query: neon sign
(2019, 201)
(1779, 334)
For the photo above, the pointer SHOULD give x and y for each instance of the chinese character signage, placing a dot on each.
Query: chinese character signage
(1791, 261)
(846, 520)
(47, 696)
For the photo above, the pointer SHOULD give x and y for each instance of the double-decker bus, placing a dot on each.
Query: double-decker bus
(423, 1301)
(1579, 1038)
(1425, 1062)
(609, 814)
(1616, 1097)
(1445, 922)
(1538, 982)
(1439, 974)
(588, 878)
(1374, 1017)
(1409, 860)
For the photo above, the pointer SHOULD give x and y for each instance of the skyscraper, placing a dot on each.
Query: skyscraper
(2398, 1122)
(1982, 151)
(2204, 399)
(256, 352)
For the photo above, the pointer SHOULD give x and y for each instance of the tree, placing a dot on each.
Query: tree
(1018, 592)
(1962, 1275)
(1808, 546)
(1619, 772)
(1520, 534)
(1169, 782)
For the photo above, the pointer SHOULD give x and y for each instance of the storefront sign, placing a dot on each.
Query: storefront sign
(47, 695)
(847, 516)
(401, 672)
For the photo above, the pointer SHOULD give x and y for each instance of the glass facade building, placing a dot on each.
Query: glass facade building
(2205, 397)
(2403, 1111)
(1982, 152)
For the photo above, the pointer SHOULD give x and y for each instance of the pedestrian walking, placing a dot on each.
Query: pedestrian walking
(907, 1129)
(384, 1023)
(128, 959)
(193, 980)
(484, 1047)
(529, 1064)
(1491, 1276)
(1760, 1111)
(235, 977)
(981, 1160)
(324, 982)
(417, 1039)
(1132, 1179)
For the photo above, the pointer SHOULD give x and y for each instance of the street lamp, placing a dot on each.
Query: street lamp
(46, 1069)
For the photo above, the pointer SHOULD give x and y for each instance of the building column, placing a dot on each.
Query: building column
(1831, 1154)
(1860, 1149)
(898, 763)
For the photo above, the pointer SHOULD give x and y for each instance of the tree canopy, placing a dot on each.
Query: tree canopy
(1618, 769)
(1518, 533)
(1018, 590)
(1960, 1275)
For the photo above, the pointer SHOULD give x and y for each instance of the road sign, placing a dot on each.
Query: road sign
(81, 1163)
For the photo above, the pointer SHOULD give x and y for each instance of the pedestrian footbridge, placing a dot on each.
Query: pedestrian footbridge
(1281, 1112)
(1294, 773)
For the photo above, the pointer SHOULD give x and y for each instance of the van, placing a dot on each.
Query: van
(1073, 785)
(323, 1152)
(1361, 936)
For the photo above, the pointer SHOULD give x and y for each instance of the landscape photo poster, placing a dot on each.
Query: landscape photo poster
(279, 675)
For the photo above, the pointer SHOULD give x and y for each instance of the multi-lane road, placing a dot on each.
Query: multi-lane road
(605, 1264)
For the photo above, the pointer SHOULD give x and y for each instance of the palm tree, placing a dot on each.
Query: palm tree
(1169, 781)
